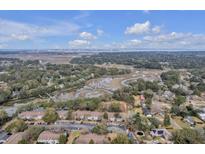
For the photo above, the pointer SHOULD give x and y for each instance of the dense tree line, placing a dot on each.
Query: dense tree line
(152, 60)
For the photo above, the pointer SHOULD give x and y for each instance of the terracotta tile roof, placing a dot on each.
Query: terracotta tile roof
(15, 138)
(32, 114)
(48, 135)
(85, 139)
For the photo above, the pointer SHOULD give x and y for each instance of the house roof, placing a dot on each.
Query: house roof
(95, 113)
(88, 113)
(85, 139)
(15, 138)
(48, 135)
(31, 113)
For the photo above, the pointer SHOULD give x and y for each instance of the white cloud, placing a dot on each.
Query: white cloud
(134, 42)
(138, 28)
(168, 37)
(175, 40)
(87, 36)
(100, 32)
(78, 43)
(12, 30)
(156, 29)
(20, 37)
(167, 41)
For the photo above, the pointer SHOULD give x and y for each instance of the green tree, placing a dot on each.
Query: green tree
(100, 129)
(167, 120)
(17, 125)
(3, 117)
(23, 141)
(188, 136)
(105, 115)
(121, 139)
(32, 133)
(91, 141)
(175, 110)
(180, 100)
(4, 95)
(51, 115)
(148, 103)
(114, 107)
(63, 139)
(69, 115)
(154, 122)
(139, 122)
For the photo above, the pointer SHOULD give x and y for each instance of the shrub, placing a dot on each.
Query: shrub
(16, 126)
(121, 139)
(187, 136)
(63, 139)
(100, 129)
(51, 115)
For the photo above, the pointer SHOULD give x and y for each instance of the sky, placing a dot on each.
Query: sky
(102, 29)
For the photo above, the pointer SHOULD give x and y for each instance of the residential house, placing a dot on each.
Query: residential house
(48, 137)
(97, 139)
(98, 116)
(87, 115)
(160, 133)
(15, 138)
(31, 115)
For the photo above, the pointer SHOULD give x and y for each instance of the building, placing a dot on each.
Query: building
(97, 139)
(160, 133)
(31, 115)
(48, 137)
(15, 138)
(98, 116)
(87, 115)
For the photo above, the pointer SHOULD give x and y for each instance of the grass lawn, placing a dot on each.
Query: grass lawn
(73, 135)
(180, 122)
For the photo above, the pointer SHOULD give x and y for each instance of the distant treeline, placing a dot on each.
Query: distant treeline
(151, 60)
